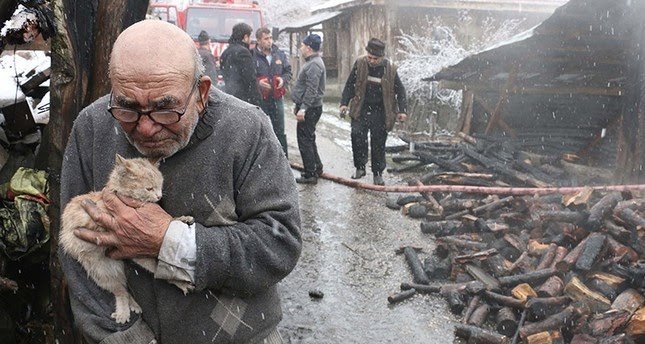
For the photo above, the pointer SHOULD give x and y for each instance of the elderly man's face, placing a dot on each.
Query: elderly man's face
(374, 60)
(152, 93)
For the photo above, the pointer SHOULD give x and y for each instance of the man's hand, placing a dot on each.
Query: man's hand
(401, 117)
(264, 83)
(280, 81)
(300, 116)
(133, 229)
(343, 111)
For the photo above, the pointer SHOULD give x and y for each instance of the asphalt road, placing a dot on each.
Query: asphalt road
(349, 239)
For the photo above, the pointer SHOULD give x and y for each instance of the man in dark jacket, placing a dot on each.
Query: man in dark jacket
(274, 75)
(307, 95)
(376, 99)
(207, 56)
(237, 66)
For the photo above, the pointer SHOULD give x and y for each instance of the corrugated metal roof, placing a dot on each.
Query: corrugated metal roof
(535, 6)
(309, 22)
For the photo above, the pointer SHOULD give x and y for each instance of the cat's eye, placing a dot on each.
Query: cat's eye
(149, 189)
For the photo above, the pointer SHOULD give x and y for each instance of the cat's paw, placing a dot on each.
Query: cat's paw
(121, 316)
(189, 220)
(134, 306)
(186, 287)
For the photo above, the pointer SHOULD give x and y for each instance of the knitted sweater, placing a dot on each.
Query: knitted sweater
(234, 179)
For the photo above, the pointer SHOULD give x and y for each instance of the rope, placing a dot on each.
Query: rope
(488, 190)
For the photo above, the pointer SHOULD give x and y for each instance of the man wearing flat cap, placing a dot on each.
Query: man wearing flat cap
(375, 98)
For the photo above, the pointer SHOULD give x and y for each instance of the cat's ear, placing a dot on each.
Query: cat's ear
(155, 161)
(119, 159)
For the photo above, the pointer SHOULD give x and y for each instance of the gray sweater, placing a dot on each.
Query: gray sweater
(310, 86)
(234, 179)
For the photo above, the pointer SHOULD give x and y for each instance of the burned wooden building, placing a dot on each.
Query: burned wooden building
(571, 87)
(347, 25)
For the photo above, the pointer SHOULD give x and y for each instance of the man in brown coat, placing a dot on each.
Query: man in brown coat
(375, 97)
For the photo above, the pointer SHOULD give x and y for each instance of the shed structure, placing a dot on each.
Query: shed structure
(573, 86)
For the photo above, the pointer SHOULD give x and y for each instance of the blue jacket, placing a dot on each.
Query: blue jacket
(279, 64)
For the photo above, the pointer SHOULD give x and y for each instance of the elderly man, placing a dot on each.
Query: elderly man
(222, 165)
(376, 99)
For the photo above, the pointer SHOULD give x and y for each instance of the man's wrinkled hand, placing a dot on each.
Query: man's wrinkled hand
(401, 117)
(300, 116)
(280, 82)
(264, 83)
(133, 229)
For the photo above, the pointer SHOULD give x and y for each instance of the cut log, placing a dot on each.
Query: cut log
(483, 208)
(620, 251)
(481, 275)
(552, 287)
(541, 307)
(572, 257)
(617, 339)
(612, 280)
(421, 288)
(404, 295)
(496, 265)
(419, 276)
(523, 291)
(618, 232)
(592, 252)
(630, 218)
(536, 248)
(554, 322)
(436, 267)
(629, 300)
(547, 257)
(476, 335)
(441, 228)
(583, 338)
(472, 305)
(603, 288)
(475, 256)
(575, 217)
(606, 324)
(601, 209)
(469, 244)
(530, 277)
(455, 301)
(546, 337)
(636, 326)
(479, 316)
(506, 321)
(504, 300)
(560, 253)
(580, 292)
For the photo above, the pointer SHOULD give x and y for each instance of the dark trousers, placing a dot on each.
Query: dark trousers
(372, 120)
(306, 133)
(274, 108)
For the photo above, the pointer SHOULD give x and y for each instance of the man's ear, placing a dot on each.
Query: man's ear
(204, 88)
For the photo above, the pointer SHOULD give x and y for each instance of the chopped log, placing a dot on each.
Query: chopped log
(455, 301)
(629, 300)
(428, 197)
(476, 335)
(524, 263)
(547, 257)
(479, 316)
(405, 199)
(636, 326)
(444, 228)
(516, 241)
(436, 267)
(472, 305)
(419, 276)
(572, 257)
(614, 281)
(530, 277)
(603, 288)
(441, 250)
(583, 338)
(469, 244)
(554, 322)
(606, 324)
(540, 307)
(421, 288)
(630, 218)
(618, 232)
(603, 207)
(466, 258)
(503, 300)
(523, 292)
(552, 287)
(500, 168)
(455, 204)
(621, 251)
(536, 248)
(417, 210)
(483, 208)
(575, 217)
(617, 339)
(580, 292)
(404, 295)
(560, 253)
(506, 321)
(592, 252)
(481, 275)
(495, 264)
(546, 337)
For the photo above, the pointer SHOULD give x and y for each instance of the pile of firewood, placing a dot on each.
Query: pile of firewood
(548, 269)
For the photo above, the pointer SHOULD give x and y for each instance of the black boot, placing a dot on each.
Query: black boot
(378, 179)
(307, 180)
(360, 173)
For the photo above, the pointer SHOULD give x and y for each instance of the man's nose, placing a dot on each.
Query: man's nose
(147, 127)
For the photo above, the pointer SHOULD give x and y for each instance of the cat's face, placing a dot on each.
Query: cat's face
(136, 178)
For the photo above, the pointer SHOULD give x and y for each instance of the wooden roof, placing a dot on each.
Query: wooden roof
(529, 6)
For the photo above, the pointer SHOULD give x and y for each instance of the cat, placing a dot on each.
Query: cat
(139, 179)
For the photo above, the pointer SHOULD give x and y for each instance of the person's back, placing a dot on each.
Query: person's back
(207, 56)
(238, 68)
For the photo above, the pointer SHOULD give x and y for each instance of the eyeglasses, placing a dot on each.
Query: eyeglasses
(158, 116)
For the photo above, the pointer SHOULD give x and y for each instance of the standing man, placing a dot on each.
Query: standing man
(307, 95)
(273, 74)
(238, 67)
(376, 99)
(207, 56)
(245, 237)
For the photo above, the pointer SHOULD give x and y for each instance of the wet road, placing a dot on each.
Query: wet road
(349, 240)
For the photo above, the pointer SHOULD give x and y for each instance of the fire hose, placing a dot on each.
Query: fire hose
(489, 190)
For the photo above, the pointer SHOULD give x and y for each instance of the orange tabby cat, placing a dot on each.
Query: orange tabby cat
(138, 179)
